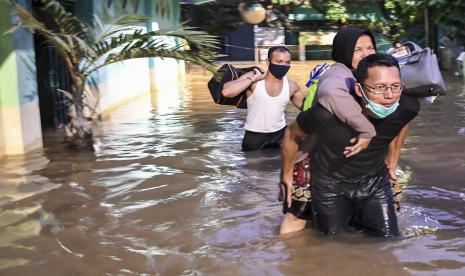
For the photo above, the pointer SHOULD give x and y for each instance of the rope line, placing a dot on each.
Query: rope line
(307, 51)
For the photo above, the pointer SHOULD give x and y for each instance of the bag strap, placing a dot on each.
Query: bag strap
(233, 72)
(311, 95)
(413, 57)
(317, 72)
(312, 84)
(412, 46)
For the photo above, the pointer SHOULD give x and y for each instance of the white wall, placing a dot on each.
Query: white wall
(122, 82)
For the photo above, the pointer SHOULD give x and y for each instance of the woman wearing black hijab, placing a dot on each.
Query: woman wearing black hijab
(350, 45)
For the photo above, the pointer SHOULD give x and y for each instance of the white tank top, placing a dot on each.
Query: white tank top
(266, 113)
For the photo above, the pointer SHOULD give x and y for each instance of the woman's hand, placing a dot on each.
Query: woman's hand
(360, 144)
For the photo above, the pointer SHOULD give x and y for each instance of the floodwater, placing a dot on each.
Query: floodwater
(168, 192)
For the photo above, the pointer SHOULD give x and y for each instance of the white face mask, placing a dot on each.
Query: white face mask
(379, 110)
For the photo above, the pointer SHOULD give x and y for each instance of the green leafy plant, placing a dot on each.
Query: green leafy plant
(405, 18)
(85, 52)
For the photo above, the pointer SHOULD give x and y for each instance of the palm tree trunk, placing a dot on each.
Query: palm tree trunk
(78, 132)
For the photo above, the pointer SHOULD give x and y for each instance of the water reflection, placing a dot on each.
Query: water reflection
(169, 192)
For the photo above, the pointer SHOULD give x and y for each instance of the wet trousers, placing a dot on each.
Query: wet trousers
(366, 204)
(257, 140)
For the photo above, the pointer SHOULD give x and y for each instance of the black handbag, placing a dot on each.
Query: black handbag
(228, 73)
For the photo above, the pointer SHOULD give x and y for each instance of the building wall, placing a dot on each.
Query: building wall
(122, 82)
(20, 129)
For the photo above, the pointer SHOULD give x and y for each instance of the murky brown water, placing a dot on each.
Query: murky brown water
(170, 193)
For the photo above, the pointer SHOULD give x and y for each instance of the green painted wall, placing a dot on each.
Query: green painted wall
(8, 77)
(20, 128)
(17, 61)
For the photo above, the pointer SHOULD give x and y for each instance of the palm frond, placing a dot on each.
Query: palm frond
(27, 20)
(190, 37)
(83, 48)
(194, 37)
(78, 50)
(103, 47)
(58, 42)
(123, 23)
(200, 57)
(72, 41)
(68, 23)
(70, 46)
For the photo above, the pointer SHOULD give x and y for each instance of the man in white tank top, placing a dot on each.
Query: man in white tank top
(267, 97)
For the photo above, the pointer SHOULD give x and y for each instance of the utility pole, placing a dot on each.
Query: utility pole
(430, 30)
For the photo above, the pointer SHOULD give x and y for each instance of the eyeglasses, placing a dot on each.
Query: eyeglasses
(382, 89)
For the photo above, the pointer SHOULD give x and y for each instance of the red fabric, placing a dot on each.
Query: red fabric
(301, 174)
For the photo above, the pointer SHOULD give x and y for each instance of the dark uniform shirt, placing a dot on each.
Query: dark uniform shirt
(333, 136)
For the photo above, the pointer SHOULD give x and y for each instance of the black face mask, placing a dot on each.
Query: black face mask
(277, 70)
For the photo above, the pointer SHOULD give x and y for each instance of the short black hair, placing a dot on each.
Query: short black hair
(277, 49)
(361, 73)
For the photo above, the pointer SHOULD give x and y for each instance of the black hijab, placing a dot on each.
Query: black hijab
(344, 44)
